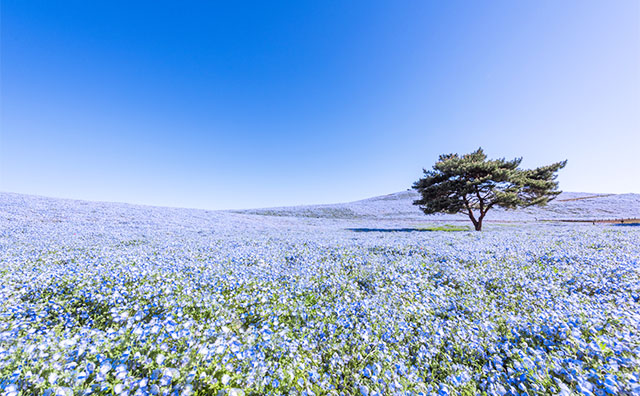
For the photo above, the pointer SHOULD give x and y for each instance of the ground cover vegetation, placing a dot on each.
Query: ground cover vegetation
(110, 299)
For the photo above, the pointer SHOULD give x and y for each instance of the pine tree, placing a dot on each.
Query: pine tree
(472, 185)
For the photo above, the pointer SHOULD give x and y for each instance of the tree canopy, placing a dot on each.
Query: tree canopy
(471, 184)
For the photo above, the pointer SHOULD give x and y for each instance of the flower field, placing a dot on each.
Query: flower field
(111, 299)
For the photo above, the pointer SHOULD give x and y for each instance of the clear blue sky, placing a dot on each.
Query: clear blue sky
(244, 104)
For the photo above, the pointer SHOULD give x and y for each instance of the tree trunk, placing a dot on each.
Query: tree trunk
(478, 224)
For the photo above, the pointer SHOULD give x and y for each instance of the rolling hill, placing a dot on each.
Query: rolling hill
(397, 206)
(392, 207)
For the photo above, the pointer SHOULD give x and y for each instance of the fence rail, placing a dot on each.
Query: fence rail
(634, 220)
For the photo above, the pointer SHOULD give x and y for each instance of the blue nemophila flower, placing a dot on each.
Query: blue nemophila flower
(160, 359)
(165, 380)
(105, 367)
(53, 377)
(11, 390)
(159, 305)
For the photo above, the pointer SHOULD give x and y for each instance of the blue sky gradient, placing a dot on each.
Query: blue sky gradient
(248, 104)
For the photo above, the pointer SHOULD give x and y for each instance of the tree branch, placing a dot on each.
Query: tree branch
(480, 201)
(470, 212)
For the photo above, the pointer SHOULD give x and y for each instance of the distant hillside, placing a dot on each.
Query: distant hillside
(567, 206)
(27, 209)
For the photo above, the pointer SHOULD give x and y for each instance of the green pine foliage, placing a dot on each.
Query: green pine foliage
(472, 184)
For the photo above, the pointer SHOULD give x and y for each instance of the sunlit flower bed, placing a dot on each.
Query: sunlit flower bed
(135, 301)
